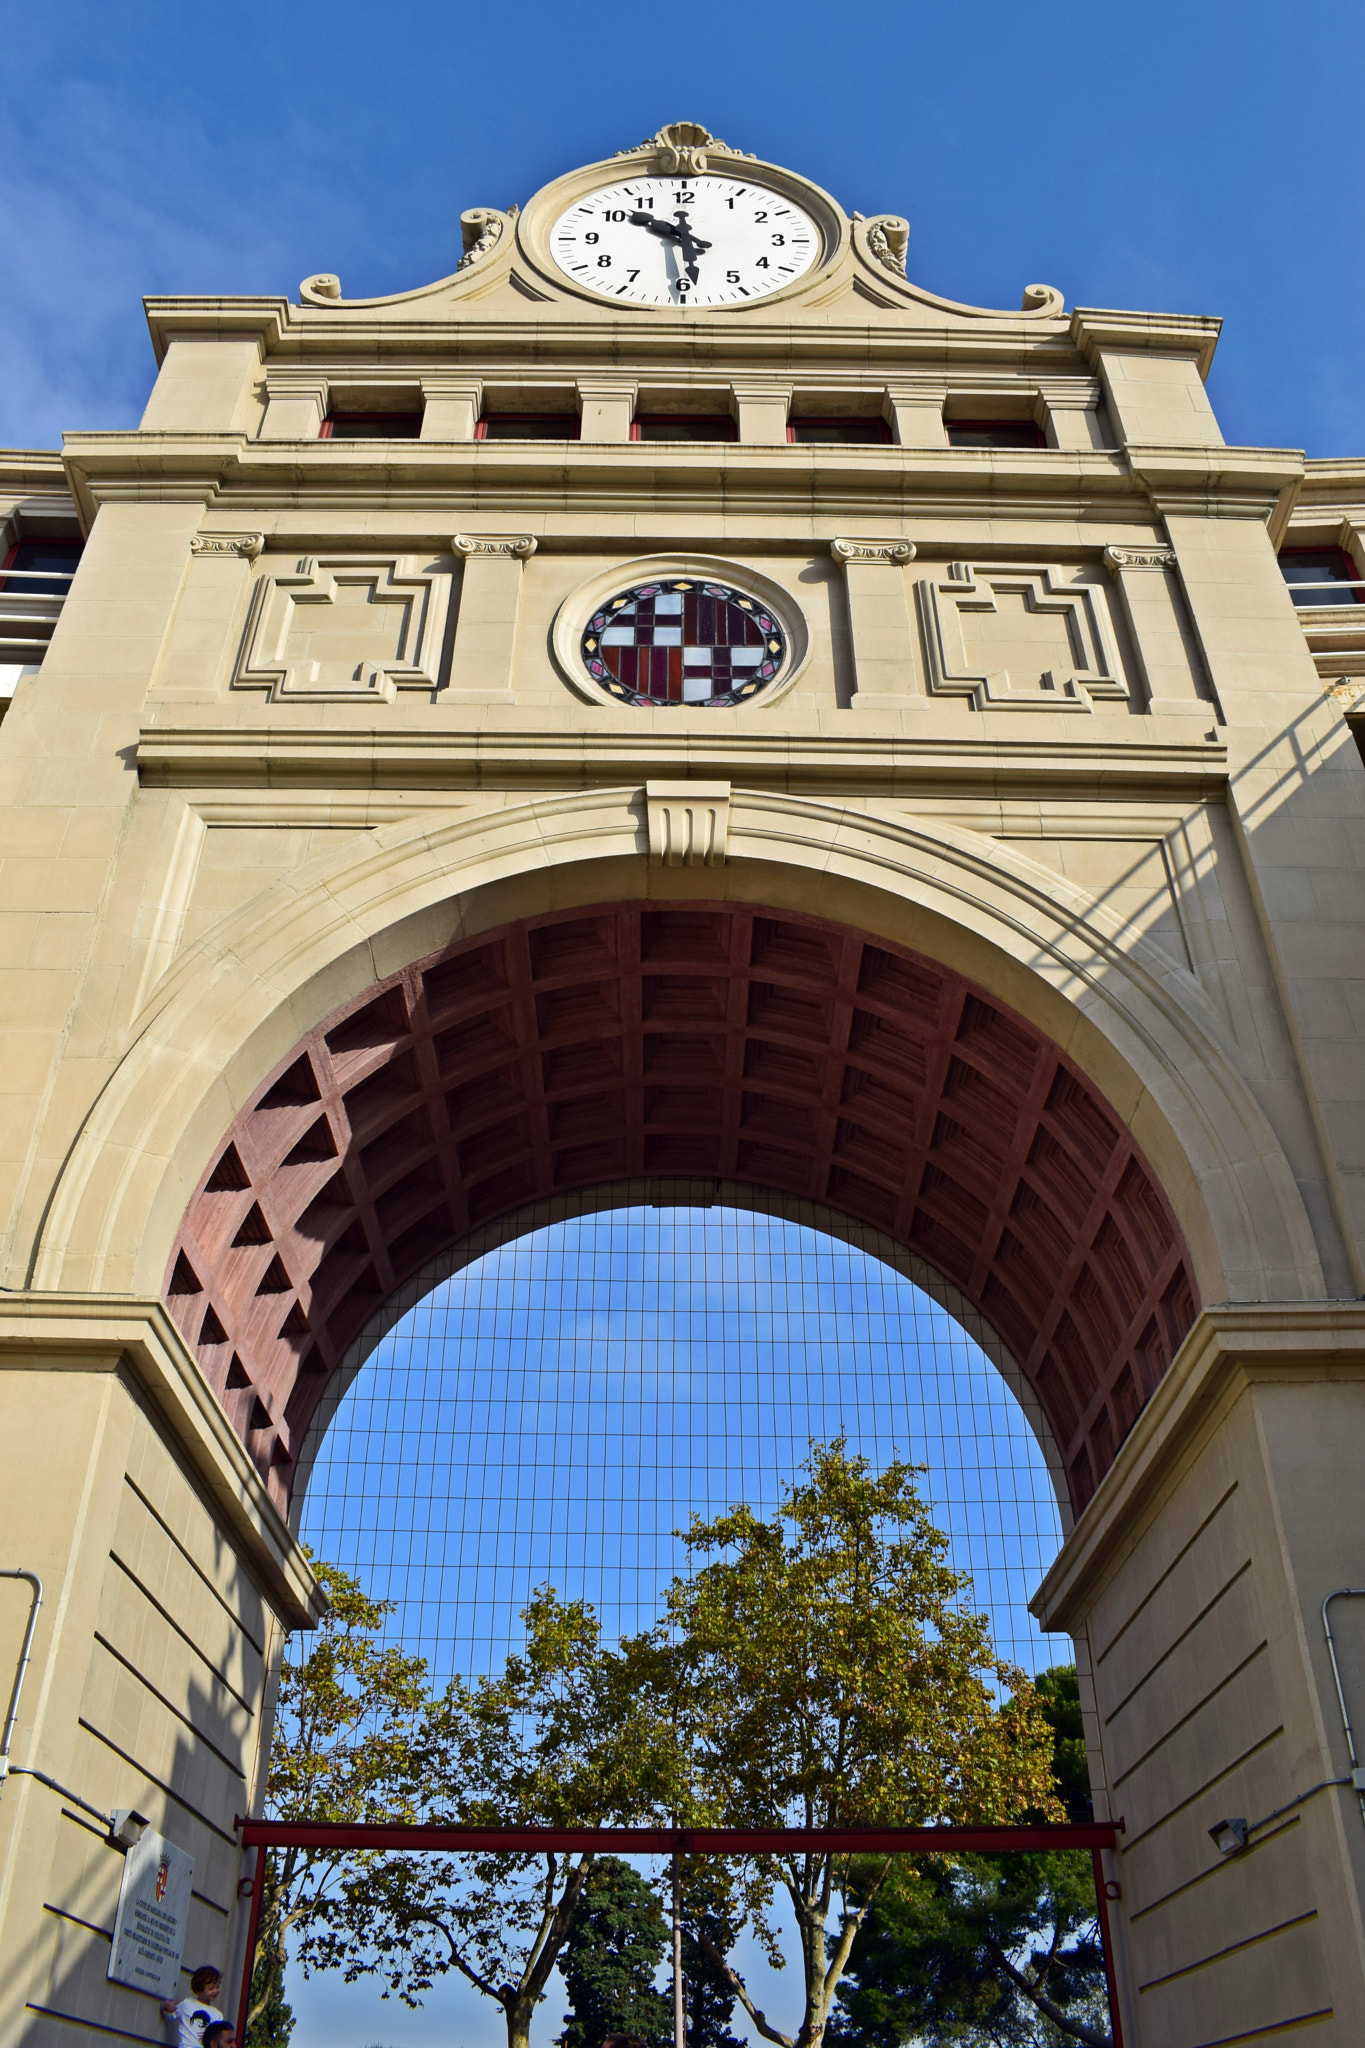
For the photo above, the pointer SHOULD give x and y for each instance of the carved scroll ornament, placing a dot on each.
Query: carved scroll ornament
(895, 553)
(520, 545)
(482, 228)
(248, 545)
(888, 238)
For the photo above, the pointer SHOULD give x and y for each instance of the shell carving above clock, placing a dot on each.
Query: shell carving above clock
(680, 227)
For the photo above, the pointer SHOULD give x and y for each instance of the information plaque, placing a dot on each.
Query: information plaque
(152, 1917)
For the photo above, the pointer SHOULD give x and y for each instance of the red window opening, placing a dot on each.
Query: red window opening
(1322, 576)
(371, 426)
(994, 434)
(682, 426)
(819, 433)
(30, 556)
(528, 426)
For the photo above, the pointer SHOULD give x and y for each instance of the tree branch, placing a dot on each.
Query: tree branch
(736, 1984)
(1090, 2036)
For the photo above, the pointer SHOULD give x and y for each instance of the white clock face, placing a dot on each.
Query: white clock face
(684, 241)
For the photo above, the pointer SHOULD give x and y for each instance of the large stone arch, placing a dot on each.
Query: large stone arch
(681, 1040)
(1010, 950)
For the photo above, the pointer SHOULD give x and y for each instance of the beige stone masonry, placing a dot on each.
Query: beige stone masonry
(451, 406)
(486, 625)
(879, 618)
(606, 408)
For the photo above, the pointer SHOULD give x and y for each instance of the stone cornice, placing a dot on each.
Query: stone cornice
(1095, 328)
(54, 1332)
(219, 757)
(204, 317)
(878, 481)
(1229, 1349)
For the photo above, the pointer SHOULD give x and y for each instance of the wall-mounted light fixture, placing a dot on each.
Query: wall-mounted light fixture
(127, 1826)
(1229, 1836)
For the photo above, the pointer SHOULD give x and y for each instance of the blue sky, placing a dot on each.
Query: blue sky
(1187, 157)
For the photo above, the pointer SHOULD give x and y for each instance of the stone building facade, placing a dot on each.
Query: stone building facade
(797, 741)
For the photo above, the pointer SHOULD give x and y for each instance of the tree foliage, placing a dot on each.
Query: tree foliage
(569, 1735)
(986, 1951)
(831, 1673)
(617, 1941)
(346, 1720)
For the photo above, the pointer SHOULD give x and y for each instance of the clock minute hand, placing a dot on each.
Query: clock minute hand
(688, 243)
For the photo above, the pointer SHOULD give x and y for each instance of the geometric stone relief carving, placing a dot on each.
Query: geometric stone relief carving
(1019, 639)
(343, 629)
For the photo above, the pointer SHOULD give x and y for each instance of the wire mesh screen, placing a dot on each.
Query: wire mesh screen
(559, 1408)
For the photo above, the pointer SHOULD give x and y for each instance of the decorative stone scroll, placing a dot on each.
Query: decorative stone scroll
(895, 553)
(888, 239)
(689, 823)
(482, 228)
(520, 545)
(346, 629)
(247, 545)
(323, 285)
(1056, 654)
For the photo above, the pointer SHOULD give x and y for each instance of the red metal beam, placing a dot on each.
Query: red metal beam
(286, 1834)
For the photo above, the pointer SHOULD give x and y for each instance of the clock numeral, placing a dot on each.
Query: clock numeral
(604, 263)
(763, 264)
(618, 213)
(731, 204)
(631, 276)
(760, 216)
(778, 241)
(594, 237)
(732, 277)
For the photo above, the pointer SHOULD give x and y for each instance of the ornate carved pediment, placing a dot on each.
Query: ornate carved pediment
(684, 146)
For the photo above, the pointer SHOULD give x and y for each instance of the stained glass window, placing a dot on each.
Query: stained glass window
(683, 641)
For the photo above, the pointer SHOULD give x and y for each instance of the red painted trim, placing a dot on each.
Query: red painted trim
(1107, 1944)
(284, 1834)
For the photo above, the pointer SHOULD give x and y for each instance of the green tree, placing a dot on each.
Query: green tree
(987, 1951)
(568, 1735)
(829, 1672)
(346, 1717)
(617, 1941)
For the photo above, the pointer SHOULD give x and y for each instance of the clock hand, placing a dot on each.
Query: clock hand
(678, 230)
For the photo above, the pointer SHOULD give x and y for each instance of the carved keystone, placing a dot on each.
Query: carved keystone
(689, 823)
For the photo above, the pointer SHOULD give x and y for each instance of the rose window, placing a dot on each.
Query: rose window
(683, 640)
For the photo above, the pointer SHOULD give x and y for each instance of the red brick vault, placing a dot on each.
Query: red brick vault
(563, 1052)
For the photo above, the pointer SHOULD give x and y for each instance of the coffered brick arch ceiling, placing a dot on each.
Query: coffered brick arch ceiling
(708, 1040)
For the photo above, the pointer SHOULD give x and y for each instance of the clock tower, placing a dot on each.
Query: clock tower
(675, 710)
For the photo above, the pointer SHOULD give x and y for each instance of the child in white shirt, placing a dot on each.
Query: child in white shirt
(193, 2014)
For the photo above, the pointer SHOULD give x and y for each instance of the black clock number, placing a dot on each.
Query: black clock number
(617, 213)
(604, 263)
(763, 264)
(760, 216)
(732, 277)
(778, 241)
(594, 237)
